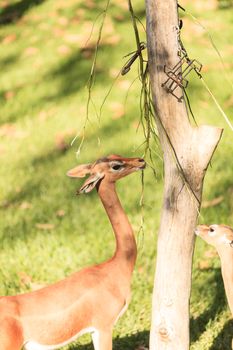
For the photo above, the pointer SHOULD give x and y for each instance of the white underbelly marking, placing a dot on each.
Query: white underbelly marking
(32, 345)
(125, 307)
(95, 339)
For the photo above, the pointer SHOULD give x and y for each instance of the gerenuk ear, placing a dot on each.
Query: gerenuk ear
(90, 183)
(80, 171)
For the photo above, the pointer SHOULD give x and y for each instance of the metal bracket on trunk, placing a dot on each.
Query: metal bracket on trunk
(177, 76)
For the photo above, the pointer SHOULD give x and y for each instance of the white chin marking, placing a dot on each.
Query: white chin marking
(197, 232)
(32, 345)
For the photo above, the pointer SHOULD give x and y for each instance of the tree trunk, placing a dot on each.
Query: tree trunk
(187, 152)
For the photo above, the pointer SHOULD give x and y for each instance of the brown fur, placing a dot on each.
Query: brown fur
(221, 237)
(92, 297)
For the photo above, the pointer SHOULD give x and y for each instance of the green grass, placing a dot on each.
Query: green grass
(43, 96)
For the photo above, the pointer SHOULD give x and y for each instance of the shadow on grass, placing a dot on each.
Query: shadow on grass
(6, 62)
(130, 342)
(73, 73)
(33, 188)
(12, 13)
(198, 326)
(224, 339)
(67, 78)
(225, 4)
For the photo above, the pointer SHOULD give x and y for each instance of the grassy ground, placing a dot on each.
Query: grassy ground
(47, 232)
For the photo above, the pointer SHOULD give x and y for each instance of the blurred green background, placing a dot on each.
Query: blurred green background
(46, 232)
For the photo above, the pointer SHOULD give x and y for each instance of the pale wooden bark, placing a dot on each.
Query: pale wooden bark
(192, 148)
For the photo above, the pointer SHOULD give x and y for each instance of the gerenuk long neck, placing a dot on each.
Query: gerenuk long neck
(226, 257)
(126, 249)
